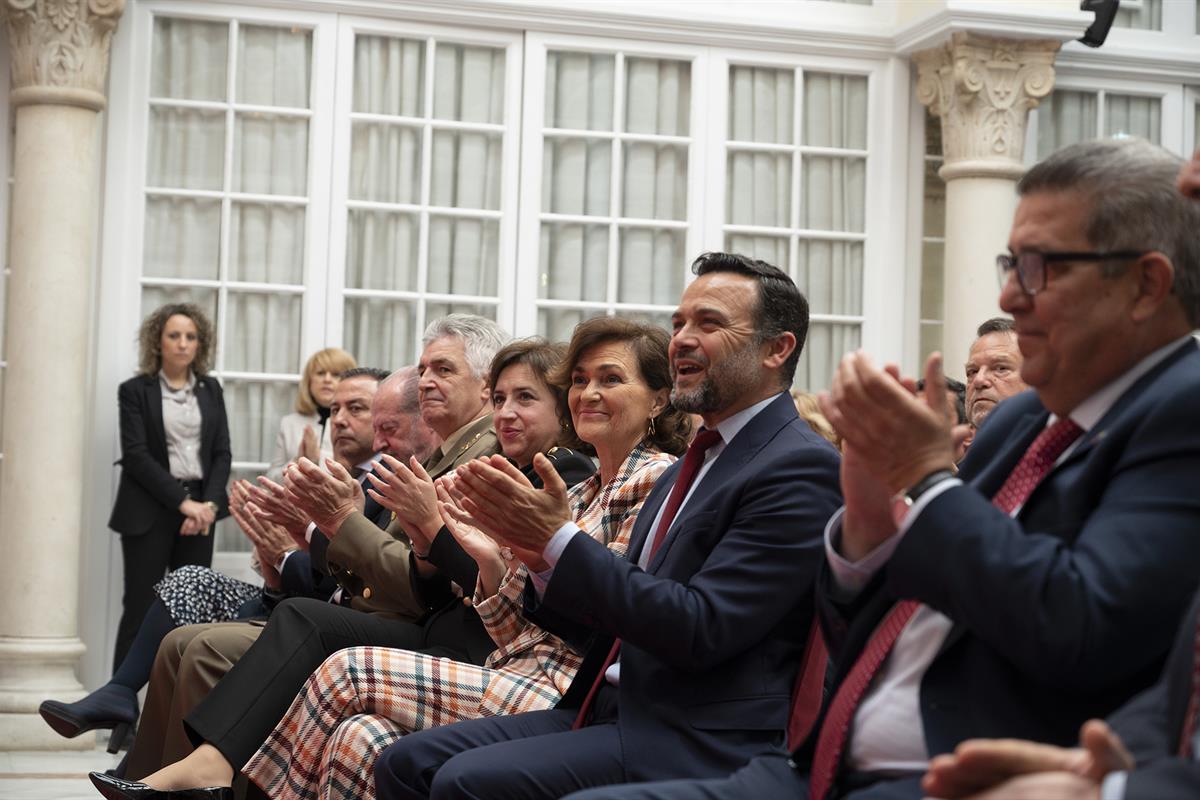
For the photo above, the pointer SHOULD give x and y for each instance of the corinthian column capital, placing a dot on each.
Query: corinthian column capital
(982, 89)
(60, 49)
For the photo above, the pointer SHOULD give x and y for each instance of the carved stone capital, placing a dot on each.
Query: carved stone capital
(982, 89)
(60, 49)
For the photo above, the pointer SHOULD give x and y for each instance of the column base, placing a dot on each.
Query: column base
(32, 670)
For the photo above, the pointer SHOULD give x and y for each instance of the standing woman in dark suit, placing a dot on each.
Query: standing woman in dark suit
(174, 458)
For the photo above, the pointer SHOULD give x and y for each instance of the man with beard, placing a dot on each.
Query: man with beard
(693, 640)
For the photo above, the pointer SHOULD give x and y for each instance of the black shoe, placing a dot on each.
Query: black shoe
(119, 770)
(120, 789)
(110, 706)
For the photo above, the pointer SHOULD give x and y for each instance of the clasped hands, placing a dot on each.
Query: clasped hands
(893, 436)
(197, 517)
(1009, 769)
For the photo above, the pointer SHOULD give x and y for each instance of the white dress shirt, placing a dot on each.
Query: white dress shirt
(887, 734)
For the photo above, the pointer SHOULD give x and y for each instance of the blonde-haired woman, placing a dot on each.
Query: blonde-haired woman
(306, 431)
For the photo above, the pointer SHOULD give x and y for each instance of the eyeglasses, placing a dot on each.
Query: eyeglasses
(1030, 266)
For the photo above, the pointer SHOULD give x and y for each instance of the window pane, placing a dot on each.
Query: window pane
(1148, 17)
(274, 66)
(761, 103)
(930, 340)
(380, 333)
(381, 250)
(557, 324)
(576, 176)
(230, 538)
(468, 83)
(389, 76)
(1133, 116)
(266, 243)
(435, 310)
(932, 278)
(835, 192)
(189, 59)
(183, 238)
(385, 163)
(463, 255)
(934, 213)
(657, 96)
(830, 275)
(652, 266)
(187, 149)
(758, 189)
(835, 111)
(772, 249)
(1065, 117)
(655, 178)
(579, 91)
(270, 155)
(574, 262)
(827, 343)
(263, 332)
(154, 297)
(466, 170)
(254, 409)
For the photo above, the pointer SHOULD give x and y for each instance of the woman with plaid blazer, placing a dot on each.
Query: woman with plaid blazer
(363, 699)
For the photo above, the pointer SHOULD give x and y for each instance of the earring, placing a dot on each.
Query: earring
(650, 429)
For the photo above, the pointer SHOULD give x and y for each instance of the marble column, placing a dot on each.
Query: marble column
(60, 51)
(981, 88)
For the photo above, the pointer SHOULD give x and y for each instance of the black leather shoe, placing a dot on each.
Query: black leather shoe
(121, 789)
(110, 706)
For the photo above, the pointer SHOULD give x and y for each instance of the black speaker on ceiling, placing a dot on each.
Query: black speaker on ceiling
(1106, 12)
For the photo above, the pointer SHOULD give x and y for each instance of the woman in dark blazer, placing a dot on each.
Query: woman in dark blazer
(175, 458)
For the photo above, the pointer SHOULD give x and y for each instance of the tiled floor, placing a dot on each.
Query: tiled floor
(51, 775)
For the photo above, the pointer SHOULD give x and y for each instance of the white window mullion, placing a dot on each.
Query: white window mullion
(426, 181)
(617, 183)
(226, 203)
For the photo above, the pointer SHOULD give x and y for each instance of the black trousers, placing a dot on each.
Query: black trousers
(147, 558)
(240, 711)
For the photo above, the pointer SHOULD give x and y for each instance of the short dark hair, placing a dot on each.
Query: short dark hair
(782, 307)
(995, 325)
(379, 375)
(672, 427)
(542, 357)
(960, 396)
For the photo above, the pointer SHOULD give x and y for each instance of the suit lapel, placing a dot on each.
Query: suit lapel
(749, 440)
(658, 495)
(152, 401)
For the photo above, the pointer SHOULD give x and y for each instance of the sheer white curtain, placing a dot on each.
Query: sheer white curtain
(387, 158)
(1147, 16)
(761, 187)
(264, 240)
(581, 142)
(1067, 116)
(1126, 115)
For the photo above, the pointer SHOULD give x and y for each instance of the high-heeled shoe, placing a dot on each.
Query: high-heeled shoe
(121, 789)
(110, 706)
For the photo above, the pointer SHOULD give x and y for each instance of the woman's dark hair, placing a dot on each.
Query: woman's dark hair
(542, 357)
(150, 338)
(672, 427)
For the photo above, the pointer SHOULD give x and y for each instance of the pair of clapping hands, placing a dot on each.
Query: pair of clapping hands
(1010, 769)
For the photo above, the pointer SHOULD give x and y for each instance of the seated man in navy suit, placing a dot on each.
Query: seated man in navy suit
(1041, 585)
(712, 605)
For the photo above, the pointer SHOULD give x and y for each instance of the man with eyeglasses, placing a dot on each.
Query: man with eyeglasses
(1042, 584)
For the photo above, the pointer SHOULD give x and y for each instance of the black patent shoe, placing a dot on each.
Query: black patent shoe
(110, 706)
(121, 789)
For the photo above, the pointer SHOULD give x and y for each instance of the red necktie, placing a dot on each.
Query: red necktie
(1193, 710)
(1030, 470)
(692, 462)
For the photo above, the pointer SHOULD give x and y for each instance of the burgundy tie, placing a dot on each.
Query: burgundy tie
(692, 462)
(1030, 470)
(1193, 710)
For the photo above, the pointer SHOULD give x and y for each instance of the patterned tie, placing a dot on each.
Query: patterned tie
(692, 462)
(1037, 462)
(1193, 710)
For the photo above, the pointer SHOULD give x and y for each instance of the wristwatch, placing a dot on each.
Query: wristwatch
(215, 509)
(925, 484)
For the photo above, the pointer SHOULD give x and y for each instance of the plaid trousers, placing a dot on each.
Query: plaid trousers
(363, 699)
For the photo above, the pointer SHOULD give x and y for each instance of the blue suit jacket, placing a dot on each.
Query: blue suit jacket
(1151, 725)
(713, 630)
(1068, 610)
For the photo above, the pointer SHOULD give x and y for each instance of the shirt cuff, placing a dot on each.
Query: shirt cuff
(551, 554)
(1113, 787)
(308, 532)
(851, 576)
(283, 560)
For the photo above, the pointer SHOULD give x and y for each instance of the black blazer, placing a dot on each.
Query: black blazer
(146, 486)
(1068, 610)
